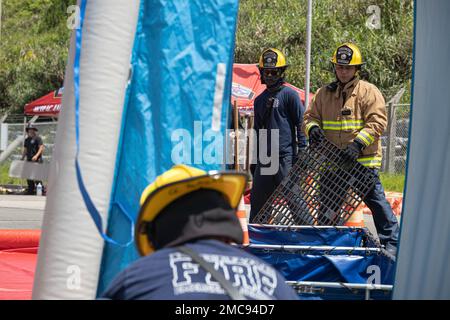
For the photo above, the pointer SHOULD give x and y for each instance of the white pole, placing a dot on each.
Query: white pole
(308, 51)
(70, 248)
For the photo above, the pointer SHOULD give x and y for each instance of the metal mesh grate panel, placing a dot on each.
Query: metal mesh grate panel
(321, 189)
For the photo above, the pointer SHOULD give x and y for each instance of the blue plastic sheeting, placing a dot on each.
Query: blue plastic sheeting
(343, 237)
(176, 105)
(333, 266)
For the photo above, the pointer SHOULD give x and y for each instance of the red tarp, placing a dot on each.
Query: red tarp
(247, 86)
(18, 255)
(48, 105)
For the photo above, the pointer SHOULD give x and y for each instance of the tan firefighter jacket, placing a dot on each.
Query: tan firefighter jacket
(356, 111)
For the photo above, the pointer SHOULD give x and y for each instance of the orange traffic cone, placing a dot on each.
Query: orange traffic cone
(242, 215)
(356, 219)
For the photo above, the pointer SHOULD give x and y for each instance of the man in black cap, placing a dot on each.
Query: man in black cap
(33, 148)
(185, 226)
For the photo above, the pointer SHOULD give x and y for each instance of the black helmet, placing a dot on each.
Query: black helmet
(31, 127)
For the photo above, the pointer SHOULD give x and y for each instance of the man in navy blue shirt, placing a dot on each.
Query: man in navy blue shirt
(33, 148)
(278, 120)
(188, 208)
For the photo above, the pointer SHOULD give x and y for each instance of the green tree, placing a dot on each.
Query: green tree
(282, 24)
(35, 42)
(34, 50)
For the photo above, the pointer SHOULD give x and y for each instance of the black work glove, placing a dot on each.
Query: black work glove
(353, 150)
(316, 134)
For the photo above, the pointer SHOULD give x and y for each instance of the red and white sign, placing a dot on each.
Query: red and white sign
(48, 105)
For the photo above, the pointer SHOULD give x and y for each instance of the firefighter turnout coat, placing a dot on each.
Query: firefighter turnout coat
(356, 111)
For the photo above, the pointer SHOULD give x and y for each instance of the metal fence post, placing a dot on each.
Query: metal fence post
(236, 135)
(391, 138)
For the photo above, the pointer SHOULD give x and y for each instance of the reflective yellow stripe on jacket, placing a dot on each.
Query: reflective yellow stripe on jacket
(309, 126)
(370, 161)
(343, 125)
(365, 138)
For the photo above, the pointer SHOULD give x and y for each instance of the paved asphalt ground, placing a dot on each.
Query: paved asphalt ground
(21, 212)
(26, 212)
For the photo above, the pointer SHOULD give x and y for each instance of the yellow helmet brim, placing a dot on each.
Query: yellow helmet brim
(230, 184)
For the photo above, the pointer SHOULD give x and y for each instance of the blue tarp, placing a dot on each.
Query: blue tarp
(351, 237)
(176, 106)
(336, 265)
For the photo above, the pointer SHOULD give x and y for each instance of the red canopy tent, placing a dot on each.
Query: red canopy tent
(247, 86)
(48, 105)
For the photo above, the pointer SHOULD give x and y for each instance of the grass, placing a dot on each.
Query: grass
(6, 179)
(392, 182)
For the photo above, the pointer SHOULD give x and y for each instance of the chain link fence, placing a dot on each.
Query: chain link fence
(12, 134)
(46, 130)
(395, 139)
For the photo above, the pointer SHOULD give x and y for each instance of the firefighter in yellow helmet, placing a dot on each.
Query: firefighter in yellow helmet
(351, 113)
(272, 65)
(186, 223)
(278, 115)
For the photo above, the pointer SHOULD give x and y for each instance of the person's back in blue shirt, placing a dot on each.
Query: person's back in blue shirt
(169, 274)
